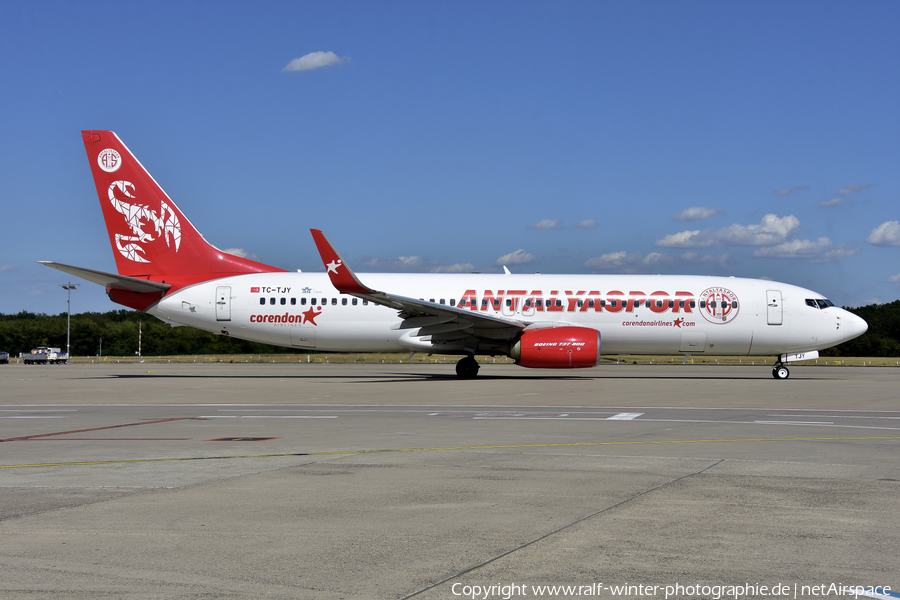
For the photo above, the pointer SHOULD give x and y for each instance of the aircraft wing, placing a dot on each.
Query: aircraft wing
(110, 280)
(434, 319)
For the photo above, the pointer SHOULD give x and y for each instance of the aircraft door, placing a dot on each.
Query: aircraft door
(223, 303)
(774, 314)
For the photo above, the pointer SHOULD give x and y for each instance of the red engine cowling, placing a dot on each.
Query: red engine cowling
(558, 348)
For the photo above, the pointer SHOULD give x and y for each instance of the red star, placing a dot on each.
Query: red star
(678, 323)
(310, 315)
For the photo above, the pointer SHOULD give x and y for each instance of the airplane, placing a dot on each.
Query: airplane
(167, 269)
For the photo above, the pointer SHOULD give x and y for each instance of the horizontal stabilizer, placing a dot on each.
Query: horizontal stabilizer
(110, 280)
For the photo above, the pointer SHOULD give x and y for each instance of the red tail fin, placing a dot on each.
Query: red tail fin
(151, 238)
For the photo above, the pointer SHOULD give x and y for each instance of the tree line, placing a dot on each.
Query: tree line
(118, 329)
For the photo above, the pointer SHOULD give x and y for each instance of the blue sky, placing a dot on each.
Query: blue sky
(751, 139)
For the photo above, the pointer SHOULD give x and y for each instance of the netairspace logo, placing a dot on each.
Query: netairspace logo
(713, 592)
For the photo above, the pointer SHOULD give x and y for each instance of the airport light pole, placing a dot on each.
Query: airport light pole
(68, 287)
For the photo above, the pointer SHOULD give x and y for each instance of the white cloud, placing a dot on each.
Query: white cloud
(412, 261)
(636, 262)
(894, 278)
(790, 190)
(886, 234)
(820, 251)
(852, 188)
(414, 264)
(519, 257)
(314, 60)
(771, 230)
(241, 253)
(698, 213)
(456, 268)
(6, 268)
(36, 293)
(589, 224)
(546, 224)
(836, 202)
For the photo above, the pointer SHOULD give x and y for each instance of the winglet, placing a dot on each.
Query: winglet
(342, 277)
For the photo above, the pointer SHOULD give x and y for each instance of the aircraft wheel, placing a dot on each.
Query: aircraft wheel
(781, 372)
(467, 368)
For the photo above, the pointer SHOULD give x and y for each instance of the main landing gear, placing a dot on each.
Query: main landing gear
(779, 371)
(467, 368)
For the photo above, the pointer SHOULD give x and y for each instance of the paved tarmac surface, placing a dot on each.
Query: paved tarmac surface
(400, 481)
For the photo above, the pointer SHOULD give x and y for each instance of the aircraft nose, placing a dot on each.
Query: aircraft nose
(853, 325)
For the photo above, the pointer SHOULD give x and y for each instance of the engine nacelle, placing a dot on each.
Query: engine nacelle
(558, 348)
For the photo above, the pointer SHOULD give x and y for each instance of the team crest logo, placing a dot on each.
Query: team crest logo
(109, 160)
(718, 305)
(139, 216)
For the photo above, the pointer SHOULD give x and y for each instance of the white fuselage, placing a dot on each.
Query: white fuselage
(635, 314)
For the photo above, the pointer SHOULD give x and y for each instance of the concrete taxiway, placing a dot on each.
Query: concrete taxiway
(401, 481)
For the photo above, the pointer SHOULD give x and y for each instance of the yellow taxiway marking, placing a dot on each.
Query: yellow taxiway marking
(499, 447)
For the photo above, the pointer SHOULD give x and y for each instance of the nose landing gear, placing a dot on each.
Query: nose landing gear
(779, 371)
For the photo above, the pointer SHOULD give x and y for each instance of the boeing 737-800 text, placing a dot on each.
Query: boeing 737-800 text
(168, 270)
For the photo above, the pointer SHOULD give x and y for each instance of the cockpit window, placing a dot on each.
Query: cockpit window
(819, 303)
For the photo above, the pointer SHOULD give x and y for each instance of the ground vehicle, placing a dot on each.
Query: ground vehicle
(44, 355)
(4, 358)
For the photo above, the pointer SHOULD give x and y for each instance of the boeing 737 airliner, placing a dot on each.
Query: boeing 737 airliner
(168, 270)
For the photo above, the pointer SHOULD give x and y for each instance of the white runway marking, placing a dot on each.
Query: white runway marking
(267, 417)
(624, 416)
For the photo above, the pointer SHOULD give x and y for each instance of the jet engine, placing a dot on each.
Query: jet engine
(558, 348)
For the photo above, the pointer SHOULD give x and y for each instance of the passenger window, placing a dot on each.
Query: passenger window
(431, 300)
(302, 301)
(365, 302)
(734, 304)
(693, 304)
(671, 304)
(355, 300)
(496, 303)
(602, 303)
(702, 303)
(508, 302)
(344, 301)
(590, 303)
(681, 304)
(528, 303)
(262, 300)
(648, 303)
(334, 301)
(324, 301)
(271, 300)
(442, 301)
(580, 303)
(712, 304)
(312, 301)
(484, 303)
(283, 301)
(452, 301)
(613, 304)
(558, 303)
(538, 303)
(293, 301)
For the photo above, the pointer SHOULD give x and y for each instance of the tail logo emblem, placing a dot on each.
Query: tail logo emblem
(109, 160)
(138, 216)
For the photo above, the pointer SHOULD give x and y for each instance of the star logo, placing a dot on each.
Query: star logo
(333, 266)
(310, 315)
(307, 290)
(678, 323)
